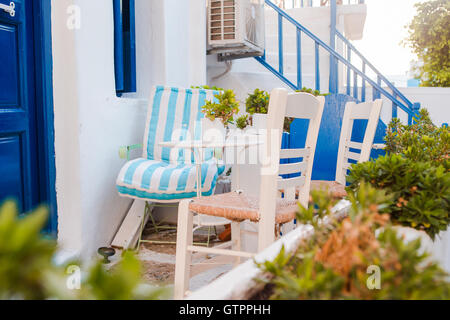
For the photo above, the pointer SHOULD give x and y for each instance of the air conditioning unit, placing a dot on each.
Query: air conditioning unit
(236, 27)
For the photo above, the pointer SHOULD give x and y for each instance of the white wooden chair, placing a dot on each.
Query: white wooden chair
(268, 211)
(348, 150)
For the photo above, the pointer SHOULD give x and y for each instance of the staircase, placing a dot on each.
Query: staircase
(324, 60)
(345, 76)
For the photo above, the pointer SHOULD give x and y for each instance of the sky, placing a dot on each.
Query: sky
(384, 30)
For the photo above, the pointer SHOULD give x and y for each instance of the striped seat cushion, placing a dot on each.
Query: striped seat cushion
(175, 115)
(162, 181)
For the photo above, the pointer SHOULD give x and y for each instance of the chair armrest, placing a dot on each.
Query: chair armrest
(124, 151)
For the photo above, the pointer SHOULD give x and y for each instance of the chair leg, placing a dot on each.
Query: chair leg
(150, 209)
(185, 237)
(236, 240)
(141, 228)
(287, 227)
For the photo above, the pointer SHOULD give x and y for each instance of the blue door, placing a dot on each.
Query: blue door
(19, 167)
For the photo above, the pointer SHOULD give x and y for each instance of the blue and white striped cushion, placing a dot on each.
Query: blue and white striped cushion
(162, 181)
(175, 115)
(169, 174)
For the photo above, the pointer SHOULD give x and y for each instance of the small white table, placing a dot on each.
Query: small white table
(198, 146)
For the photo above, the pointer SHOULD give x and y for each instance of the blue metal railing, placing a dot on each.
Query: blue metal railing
(367, 66)
(396, 97)
(312, 3)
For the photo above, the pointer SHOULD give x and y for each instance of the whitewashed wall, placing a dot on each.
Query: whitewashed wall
(436, 100)
(91, 123)
(248, 74)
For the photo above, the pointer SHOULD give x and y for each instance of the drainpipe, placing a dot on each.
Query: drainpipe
(334, 86)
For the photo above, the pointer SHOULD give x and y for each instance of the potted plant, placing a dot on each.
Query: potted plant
(219, 114)
(242, 122)
(257, 105)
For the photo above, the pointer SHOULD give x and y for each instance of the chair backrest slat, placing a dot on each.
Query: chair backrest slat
(355, 145)
(294, 153)
(291, 168)
(302, 99)
(284, 184)
(174, 114)
(364, 111)
(282, 105)
(353, 156)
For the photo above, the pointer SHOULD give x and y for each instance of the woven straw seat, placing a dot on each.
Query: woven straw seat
(335, 189)
(239, 207)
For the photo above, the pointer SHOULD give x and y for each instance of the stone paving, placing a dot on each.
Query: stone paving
(158, 260)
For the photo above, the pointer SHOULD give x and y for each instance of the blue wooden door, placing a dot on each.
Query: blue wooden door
(18, 135)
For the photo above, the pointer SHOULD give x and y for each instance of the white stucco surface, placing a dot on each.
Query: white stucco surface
(91, 122)
(436, 100)
(248, 74)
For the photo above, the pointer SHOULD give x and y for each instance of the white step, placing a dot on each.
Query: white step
(289, 63)
(318, 28)
(243, 83)
(289, 43)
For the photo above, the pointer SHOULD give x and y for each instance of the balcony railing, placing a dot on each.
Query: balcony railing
(356, 75)
(288, 4)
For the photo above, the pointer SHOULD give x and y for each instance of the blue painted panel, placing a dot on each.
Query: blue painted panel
(44, 104)
(9, 78)
(11, 185)
(124, 46)
(330, 132)
(329, 135)
(18, 121)
(297, 138)
(379, 139)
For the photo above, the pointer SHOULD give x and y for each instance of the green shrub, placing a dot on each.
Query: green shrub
(420, 190)
(421, 141)
(258, 102)
(28, 271)
(313, 92)
(334, 263)
(415, 172)
(225, 109)
(243, 122)
(207, 88)
(429, 39)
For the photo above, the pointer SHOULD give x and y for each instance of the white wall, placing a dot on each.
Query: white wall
(248, 74)
(436, 100)
(91, 123)
(67, 146)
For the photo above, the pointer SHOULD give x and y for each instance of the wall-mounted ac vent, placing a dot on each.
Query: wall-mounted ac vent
(236, 27)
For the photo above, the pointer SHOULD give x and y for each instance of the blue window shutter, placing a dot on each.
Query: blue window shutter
(124, 46)
(129, 33)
